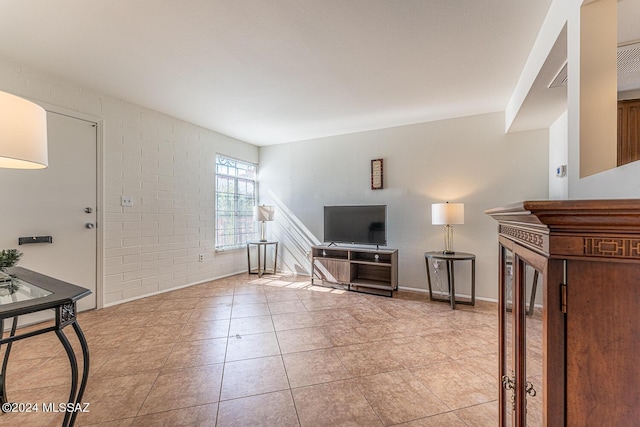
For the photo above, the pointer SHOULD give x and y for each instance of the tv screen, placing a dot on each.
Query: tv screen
(361, 224)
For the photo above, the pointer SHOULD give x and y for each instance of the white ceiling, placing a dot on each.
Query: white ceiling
(273, 71)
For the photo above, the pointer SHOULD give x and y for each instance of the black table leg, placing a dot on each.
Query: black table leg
(74, 373)
(5, 361)
(85, 369)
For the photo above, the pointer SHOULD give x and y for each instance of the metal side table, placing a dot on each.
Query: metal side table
(262, 258)
(449, 260)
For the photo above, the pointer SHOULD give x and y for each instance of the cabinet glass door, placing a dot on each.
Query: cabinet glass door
(507, 366)
(520, 342)
(533, 348)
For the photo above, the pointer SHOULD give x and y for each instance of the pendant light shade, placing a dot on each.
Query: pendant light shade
(23, 133)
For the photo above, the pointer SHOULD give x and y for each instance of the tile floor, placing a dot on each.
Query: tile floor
(271, 351)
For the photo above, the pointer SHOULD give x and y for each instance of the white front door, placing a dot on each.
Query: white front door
(52, 202)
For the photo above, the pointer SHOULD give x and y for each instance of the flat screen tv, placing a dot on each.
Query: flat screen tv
(359, 224)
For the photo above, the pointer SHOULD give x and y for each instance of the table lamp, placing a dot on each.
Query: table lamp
(447, 214)
(263, 214)
(23, 133)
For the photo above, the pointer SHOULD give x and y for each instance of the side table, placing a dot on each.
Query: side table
(449, 260)
(29, 292)
(262, 260)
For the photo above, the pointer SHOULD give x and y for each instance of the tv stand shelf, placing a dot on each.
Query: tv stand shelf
(357, 269)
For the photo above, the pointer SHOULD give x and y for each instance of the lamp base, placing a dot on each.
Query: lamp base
(448, 240)
(263, 231)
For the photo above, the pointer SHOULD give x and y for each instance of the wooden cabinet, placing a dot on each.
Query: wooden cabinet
(574, 361)
(369, 270)
(628, 131)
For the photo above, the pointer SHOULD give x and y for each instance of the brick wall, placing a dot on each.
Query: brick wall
(167, 166)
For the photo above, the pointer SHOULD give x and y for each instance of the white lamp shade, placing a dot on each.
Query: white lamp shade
(23, 133)
(263, 213)
(447, 213)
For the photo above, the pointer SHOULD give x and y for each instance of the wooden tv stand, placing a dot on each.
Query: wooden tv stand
(357, 269)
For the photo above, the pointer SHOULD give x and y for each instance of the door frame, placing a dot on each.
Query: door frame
(99, 123)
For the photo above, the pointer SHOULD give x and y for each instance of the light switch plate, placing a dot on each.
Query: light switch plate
(127, 202)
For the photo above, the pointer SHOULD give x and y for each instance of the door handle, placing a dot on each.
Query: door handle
(88, 210)
(90, 225)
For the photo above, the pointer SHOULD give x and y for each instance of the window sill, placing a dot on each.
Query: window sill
(231, 249)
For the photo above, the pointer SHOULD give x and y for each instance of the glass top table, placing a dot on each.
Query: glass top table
(24, 291)
(13, 289)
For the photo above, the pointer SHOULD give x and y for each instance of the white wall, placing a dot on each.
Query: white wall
(167, 165)
(468, 160)
(558, 155)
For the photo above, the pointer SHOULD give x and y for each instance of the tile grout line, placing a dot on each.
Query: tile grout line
(224, 363)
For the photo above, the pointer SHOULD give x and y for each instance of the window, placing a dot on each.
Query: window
(235, 198)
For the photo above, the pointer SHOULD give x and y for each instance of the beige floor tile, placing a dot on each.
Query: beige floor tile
(116, 398)
(333, 316)
(295, 340)
(194, 416)
(251, 325)
(183, 388)
(485, 367)
(342, 335)
(188, 292)
(367, 359)
(249, 310)
(168, 318)
(147, 305)
(215, 300)
(346, 355)
(283, 307)
(378, 331)
(204, 330)
(339, 403)
(319, 303)
(448, 419)
(250, 298)
(252, 286)
(399, 309)
(215, 312)
(38, 347)
(38, 396)
(269, 409)
(414, 352)
(113, 321)
(253, 376)
(481, 415)
(280, 295)
(33, 373)
(128, 338)
(186, 303)
(283, 322)
(365, 314)
(241, 347)
(197, 353)
(125, 422)
(456, 385)
(146, 360)
(459, 345)
(314, 367)
(399, 397)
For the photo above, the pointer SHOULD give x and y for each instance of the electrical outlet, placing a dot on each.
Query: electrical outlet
(201, 257)
(126, 202)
